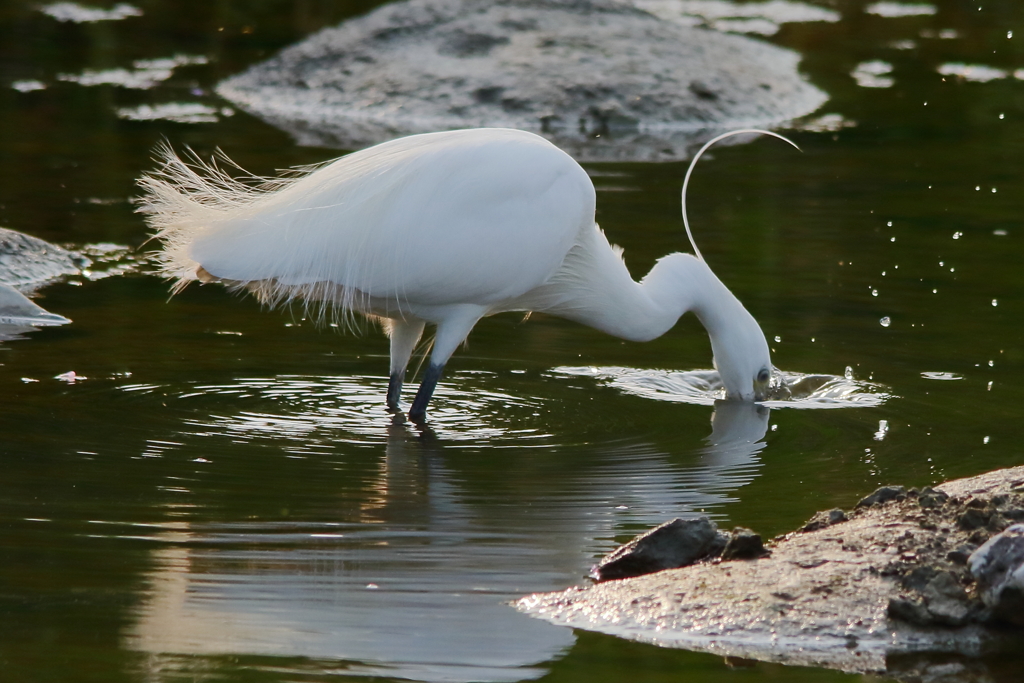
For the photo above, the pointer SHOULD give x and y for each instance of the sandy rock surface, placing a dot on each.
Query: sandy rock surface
(887, 579)
(603, 79)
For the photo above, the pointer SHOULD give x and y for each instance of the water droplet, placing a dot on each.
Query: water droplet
(977, 188)
(889, 224)
(999, 232)
(775, 428)
(935, 291)
(883, 429)
(957, 235)
(991, 363)
(778, 338)
(892, 239)
(1009, 34)
(848, 373)
(883, 273)
(1002, 116)
(885, 322)
(985, 440)
(990, 385)
(942, 263)
(995, 302)
(993, 190)
(874, 292)
(812, 340)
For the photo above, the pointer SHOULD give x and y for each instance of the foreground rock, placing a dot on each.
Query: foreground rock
(850, 591)
(602, 78)
(678, 543)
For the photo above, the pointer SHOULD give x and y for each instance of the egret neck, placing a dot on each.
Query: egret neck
(681, 283)
(602, 294)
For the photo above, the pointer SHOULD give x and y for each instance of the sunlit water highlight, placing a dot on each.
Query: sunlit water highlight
(704, 387)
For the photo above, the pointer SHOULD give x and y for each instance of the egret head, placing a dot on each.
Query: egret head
(741, 352)
(742, 357)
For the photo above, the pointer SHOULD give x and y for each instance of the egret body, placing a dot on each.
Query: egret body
(441, 228)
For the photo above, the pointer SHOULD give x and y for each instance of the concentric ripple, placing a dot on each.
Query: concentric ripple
(704, 387)
(326, 410)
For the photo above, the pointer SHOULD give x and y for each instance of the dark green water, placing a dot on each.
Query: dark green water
(224, 498)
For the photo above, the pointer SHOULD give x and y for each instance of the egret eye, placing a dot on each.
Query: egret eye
(763, 376)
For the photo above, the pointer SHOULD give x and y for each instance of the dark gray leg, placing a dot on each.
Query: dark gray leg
(418, 412)
(395, 390)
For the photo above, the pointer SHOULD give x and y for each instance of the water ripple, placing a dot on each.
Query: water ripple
(311, 410)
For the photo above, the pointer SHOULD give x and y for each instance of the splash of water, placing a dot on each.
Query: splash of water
(704, 387)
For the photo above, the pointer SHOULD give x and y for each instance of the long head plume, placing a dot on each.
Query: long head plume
(689, 171)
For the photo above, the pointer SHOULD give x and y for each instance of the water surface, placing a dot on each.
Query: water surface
(217, 493)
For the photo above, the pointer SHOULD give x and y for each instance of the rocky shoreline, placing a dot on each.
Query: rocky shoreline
(939, 570)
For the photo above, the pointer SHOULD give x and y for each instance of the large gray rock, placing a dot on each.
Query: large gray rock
(603, 79)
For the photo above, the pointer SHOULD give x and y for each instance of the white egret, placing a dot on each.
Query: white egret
(441, 228)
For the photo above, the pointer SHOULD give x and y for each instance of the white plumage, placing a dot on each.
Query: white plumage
(441, 228)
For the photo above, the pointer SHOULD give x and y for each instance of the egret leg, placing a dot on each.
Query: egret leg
(395, 381)
(418, 412)
(451, 331)
(404, 334)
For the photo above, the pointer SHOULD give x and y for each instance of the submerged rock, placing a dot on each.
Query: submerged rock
(27, 262)
(16, 309)
(856, 595)
(19, 315)
(603, 79)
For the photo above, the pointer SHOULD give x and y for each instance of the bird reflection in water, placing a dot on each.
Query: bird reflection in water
(737, 433)
(414, 582)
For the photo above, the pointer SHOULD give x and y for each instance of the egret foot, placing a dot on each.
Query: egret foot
(418, 412)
